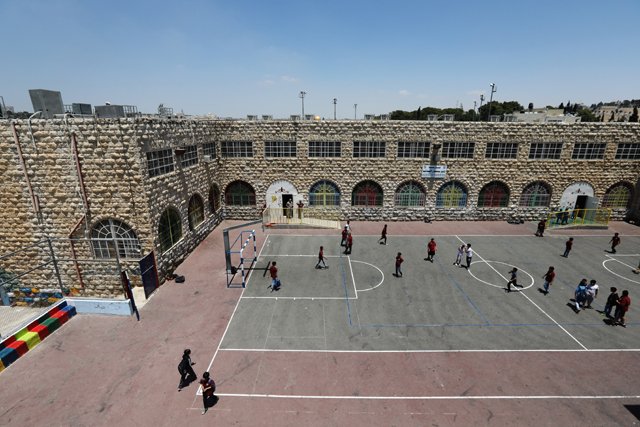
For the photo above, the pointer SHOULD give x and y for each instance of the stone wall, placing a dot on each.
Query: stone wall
(111, 174)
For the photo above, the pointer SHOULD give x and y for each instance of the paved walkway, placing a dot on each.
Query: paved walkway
(101, 370)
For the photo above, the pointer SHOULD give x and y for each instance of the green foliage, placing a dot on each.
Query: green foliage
(634, 117)
(586, 115)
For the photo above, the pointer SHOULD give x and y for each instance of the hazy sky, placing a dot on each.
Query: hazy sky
(238, 57)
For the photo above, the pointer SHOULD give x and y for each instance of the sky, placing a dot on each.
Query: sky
(236, 58)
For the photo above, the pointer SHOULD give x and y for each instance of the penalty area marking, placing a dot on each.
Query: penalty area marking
(367, 289)
(616, 274)
(500, 286)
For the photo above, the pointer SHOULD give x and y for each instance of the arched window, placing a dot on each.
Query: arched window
(196, 211)
(494, 195)
(453, 194)
(536, 194)
(169, 229)
(324, 193)
(239, 193)
(410, 193)
(618, 196)
(214, 198)
(367, 193)
(109, 234)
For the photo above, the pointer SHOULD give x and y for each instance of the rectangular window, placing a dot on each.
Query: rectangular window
(414, 150)
(628, 151)
(280, 149)
(209, 150)
(190, 156)
(325, 148)
(545, 150)
(237, 149)
(501, 150)
(160, 162)
(458, 150)
(588, 151)
(368, 149)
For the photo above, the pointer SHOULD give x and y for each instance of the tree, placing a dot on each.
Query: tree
(634, 117)
(586, 115)
(561, 105)
(531, 106)
(613, 116)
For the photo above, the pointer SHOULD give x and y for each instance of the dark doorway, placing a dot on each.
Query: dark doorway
(581, 204)
(287, 209)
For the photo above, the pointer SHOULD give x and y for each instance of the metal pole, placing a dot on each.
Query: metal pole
(335, 101)
(355, 111)
(493, 90)
(302, 94)
(55, 264)
(474, 111)
(481, 101)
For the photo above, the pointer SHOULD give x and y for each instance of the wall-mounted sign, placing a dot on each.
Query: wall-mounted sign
(432, 171)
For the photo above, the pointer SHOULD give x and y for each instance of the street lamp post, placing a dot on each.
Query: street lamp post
(355, 111)
(301, 95)
(481, 101)
(493, 90)
(474, 110)
(335, 101)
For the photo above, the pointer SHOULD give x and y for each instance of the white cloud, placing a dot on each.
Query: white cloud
(404, 92)
(289, 79)
(267, 82)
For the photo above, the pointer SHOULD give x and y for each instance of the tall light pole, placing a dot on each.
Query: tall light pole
(301, 95)
(480, 108)
(355, 111)
(335, 101)
(474, 110)
(493, 90)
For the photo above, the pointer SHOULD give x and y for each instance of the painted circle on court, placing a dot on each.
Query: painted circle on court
(604, 264)
(373, 287)
(505, 283)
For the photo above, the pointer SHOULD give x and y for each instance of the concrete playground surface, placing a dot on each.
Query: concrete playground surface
(352, 343)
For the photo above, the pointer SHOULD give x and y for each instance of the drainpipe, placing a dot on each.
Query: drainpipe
(83, 189)
(73, 251)
(34, 199)
(33, 141)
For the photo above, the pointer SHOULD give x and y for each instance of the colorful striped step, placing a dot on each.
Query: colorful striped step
(15, 346)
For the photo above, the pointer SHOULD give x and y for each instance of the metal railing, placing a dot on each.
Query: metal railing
(579, 217)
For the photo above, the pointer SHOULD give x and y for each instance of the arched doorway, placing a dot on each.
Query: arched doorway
(578, 195)
(283, 194)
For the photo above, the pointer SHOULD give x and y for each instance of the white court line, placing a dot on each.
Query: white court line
(303, 298)
(531, 301)
(279, 350)
(353, 279)
(453, 235)
(351, 397)
(368, 289)
(299, 255)
(617, 255)
(500, 286)
(616, 274)
(199, 391)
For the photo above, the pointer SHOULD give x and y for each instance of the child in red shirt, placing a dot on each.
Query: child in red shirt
(431, 250)
(623, 306)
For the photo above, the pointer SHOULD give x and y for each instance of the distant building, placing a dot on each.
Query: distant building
(542, 115)
(613, 113)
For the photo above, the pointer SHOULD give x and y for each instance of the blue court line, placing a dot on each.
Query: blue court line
(344, 283)
(466, 296)
(481, 325)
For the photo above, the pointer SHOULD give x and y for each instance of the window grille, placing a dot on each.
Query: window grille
(110, 235)
(628, 151)
(545, 150)
(190, 156)
(501, 150)
(237, 149)
(325, 149)
(196, 211)
(451, 195)
(280, 149)
(458, 150)
(160, 162)
(368, 149)
(588, 151)
(367, 193)
(324, 193)
(410, 194)
(413, 149)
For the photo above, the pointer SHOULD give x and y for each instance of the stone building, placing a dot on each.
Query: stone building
(108, 191)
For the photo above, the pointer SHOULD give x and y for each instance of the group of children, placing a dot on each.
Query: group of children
(188, 375)
(586, 293)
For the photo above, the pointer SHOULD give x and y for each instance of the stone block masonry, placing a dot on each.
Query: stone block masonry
(60, 178)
